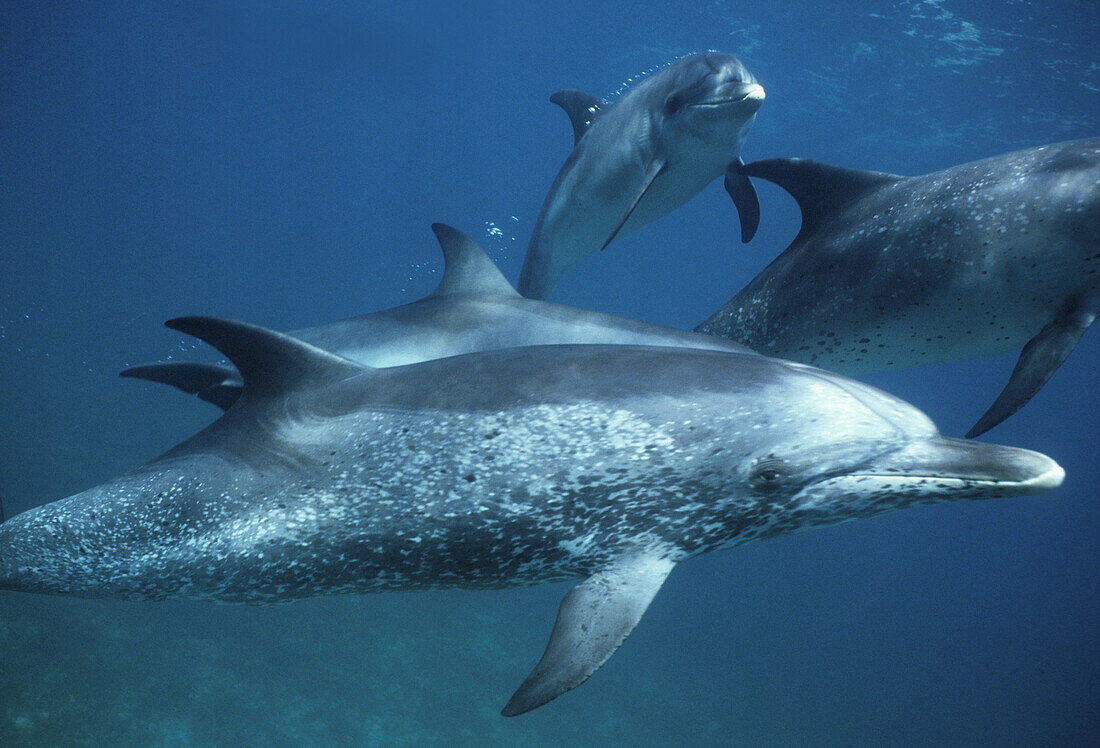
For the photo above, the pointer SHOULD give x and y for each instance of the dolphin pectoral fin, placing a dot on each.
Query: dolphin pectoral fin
(1039, 359)
(740, 189)
(581, 108)
(656, 167)
(595, 617)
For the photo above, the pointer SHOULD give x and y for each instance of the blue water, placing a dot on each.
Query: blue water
(281, 163)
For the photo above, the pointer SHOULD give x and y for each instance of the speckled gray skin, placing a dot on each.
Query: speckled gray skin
(496, 469)
(983, 258)
(473, 309)
(643, 155)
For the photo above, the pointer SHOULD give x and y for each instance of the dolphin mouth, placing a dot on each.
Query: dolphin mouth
(752, 93)
(930, 471)
(1047, 481)
(945, 466)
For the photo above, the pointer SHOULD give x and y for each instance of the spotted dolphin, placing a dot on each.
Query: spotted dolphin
(641, 156)
(984, 258)
(474, 308)
(607, 464)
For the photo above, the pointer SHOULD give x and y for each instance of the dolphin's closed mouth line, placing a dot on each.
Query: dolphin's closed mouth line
(722, 102)
(716, 104)
(1043, 482)
(756, 92)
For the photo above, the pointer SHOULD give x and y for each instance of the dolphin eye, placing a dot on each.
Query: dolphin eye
(673, 104)
(768, 473)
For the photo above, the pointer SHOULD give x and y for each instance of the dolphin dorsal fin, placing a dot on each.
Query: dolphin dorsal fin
(819, 189)
(581, 108)
(466, 267)
(270, 362)
(217, 384)
(190, 376)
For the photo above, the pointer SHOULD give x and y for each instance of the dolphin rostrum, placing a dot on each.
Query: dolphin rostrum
(641, 156)
(473, 309)
(607, 464)
(983, 258)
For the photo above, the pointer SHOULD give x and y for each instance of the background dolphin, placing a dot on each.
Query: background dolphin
(982, 258)
(641, 156)
(604, 463)
(473, 309)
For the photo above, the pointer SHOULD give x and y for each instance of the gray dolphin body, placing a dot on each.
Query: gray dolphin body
(641, 156)
(608, 464)
(473, 309)
(983, 258)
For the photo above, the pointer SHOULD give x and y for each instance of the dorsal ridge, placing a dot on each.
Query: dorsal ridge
(820, 189)
(466, 267)
(270, 362)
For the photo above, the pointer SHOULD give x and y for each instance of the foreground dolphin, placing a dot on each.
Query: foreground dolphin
(641, 156)
(982, 258)
(608, 464)
(473, 309)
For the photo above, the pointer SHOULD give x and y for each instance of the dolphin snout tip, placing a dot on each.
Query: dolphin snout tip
(1047, 480)
(738, 96)
(751, 95)
(746, 92)
(980, 470)
(1026, 471)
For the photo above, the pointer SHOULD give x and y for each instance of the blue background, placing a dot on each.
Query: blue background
(281, 163)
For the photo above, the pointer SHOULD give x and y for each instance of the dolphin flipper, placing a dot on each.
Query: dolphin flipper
(581, 108)
(595, 617)
(654, 170)
(740, 189)
(1039, 359)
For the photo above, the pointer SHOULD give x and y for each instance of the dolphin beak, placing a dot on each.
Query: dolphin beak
(956, 468)
(752, 92)
(741, 94)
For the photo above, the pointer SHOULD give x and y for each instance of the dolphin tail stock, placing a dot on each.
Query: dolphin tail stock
(594, 618)
(739, 188)
(1039, 359)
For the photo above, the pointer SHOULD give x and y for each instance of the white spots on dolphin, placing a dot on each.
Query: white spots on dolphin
(898, 271)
